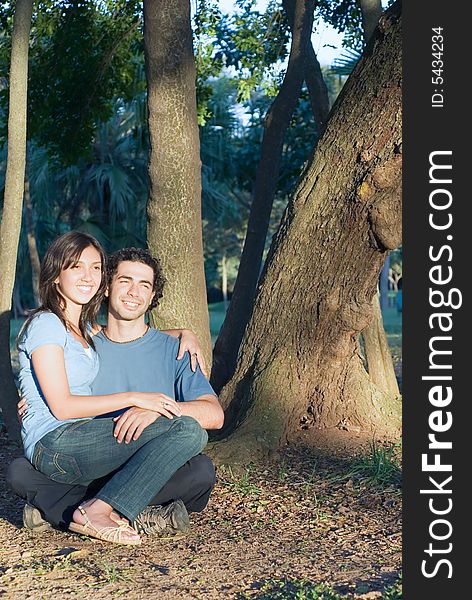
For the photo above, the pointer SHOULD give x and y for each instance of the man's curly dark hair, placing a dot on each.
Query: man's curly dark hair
(142, 256)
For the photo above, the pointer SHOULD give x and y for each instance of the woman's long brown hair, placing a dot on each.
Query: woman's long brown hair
(61, 254)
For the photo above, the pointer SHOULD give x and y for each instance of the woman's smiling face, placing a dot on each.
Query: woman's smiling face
(79, 283)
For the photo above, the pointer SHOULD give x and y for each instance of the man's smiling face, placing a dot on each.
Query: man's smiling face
(131, 290)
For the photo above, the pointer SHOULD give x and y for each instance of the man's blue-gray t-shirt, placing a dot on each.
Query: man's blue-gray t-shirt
(148, 364)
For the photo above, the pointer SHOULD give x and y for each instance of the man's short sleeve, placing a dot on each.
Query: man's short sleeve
(190, 385)
(44, 329)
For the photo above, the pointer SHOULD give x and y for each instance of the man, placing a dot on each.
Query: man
(133, 357)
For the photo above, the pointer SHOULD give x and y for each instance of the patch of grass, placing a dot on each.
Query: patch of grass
(111, 573)
(241, 484)
(394, 592)
(380, 467)
(44, 566)
(298, 589)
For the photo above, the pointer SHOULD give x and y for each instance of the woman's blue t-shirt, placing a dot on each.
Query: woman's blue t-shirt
(81, 368)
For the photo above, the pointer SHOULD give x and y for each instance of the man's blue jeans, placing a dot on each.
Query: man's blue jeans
(86, 450)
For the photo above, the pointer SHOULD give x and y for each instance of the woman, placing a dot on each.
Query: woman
(57, 366)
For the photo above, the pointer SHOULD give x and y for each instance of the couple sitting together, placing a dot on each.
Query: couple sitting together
(113, 418)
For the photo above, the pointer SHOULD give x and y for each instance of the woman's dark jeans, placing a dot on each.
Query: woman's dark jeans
(80, 452)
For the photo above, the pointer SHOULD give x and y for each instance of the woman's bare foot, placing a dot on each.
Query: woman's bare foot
(114, 516)
(99, 515)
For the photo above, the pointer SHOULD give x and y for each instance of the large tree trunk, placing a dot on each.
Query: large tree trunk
(299, 364)
(13, 202)
(174, 207)
(276, 123)
(377, 352)
(32, 246)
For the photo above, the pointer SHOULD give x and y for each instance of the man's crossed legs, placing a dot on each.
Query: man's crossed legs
(192, 484)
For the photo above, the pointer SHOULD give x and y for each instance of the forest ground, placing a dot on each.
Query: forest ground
(322, 521)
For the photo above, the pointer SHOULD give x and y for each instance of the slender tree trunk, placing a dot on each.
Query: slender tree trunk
(319, 98)
(33, 248)
(276, 123)
(13, 202)
(174, 206)
(378, 355)
(299, 363)
(224, 281)
(371, 11)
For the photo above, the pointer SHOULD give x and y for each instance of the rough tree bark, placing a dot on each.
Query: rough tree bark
(299, 364)
(377, 352)
(174, 207)
(276, 123)
(13, 203)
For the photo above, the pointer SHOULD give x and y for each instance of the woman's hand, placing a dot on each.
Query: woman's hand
(159, 403)
(21, 408)
(189, 343)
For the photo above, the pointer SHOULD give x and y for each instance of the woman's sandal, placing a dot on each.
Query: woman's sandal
(107, 534)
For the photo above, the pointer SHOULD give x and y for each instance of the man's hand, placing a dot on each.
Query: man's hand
(189, 343)
(21, 408)
(130, 425)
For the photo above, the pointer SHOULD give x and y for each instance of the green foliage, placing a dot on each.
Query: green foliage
(206, 20)
(88, 148)
(75, 73)
(82, 54)
(252, 44)
(345, 16)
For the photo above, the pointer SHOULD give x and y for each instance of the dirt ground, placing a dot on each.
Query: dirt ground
(310, 525)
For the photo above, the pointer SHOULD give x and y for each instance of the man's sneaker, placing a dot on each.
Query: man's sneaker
(171, 518)
(32, 519)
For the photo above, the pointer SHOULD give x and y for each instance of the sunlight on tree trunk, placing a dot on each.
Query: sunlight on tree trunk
(299, 364)
(174, 206)
(224, 281)
(13, 202)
